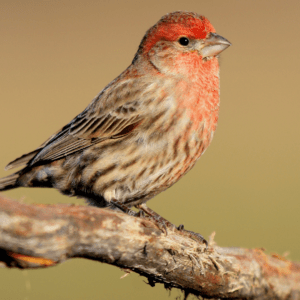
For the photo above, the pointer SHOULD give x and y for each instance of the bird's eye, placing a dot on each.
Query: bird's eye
(184, 41)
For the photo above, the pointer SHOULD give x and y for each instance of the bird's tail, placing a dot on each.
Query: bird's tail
(9, 182)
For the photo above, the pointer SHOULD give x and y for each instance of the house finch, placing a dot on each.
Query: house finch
(145, 129)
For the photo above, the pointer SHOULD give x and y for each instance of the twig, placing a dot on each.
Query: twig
(34, 236)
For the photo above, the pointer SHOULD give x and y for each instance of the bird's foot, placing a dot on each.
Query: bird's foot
(144, 212)
(159, 221)
(193, 235)
(164, 224)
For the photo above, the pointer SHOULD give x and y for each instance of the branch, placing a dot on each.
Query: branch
(33, 236)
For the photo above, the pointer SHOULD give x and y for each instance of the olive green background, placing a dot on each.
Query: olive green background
(55, 56)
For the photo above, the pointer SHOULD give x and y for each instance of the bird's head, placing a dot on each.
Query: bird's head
(180, 41)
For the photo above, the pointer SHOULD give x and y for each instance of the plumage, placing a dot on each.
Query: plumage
(143, 131)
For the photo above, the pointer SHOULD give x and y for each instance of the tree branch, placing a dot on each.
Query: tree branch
(33, 236)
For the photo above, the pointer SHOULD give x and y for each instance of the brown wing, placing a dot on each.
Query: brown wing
(114, 113)
(85, 131)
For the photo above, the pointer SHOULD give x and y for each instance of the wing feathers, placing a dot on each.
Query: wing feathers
(105, 118)
(21, 161)
(87, 134)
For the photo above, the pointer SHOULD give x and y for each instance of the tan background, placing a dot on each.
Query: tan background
(57, 55)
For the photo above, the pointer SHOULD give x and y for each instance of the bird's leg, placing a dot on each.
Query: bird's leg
(123, 208)
(163, 223)
(160, 221)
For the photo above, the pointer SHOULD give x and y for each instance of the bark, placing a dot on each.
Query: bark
(34, 236)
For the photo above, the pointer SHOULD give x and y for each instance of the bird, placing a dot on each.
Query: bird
(144, 130)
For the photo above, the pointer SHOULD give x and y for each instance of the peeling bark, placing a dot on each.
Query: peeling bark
(34, 236)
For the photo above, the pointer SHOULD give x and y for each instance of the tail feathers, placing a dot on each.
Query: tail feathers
(9, 182)
(23, 160)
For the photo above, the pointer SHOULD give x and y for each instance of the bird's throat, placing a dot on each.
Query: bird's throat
(199, 96)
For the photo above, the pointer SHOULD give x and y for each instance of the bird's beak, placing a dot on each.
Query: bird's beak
(213, 45)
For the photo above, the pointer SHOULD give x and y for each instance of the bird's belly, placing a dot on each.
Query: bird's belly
(129, 173)
(149, 173)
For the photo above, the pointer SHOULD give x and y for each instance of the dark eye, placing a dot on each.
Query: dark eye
(184, 41)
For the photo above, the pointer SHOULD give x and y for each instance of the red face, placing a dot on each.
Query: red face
(173, 26)
(181, 43)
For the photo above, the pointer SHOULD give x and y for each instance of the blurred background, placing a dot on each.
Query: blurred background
(57, 55)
